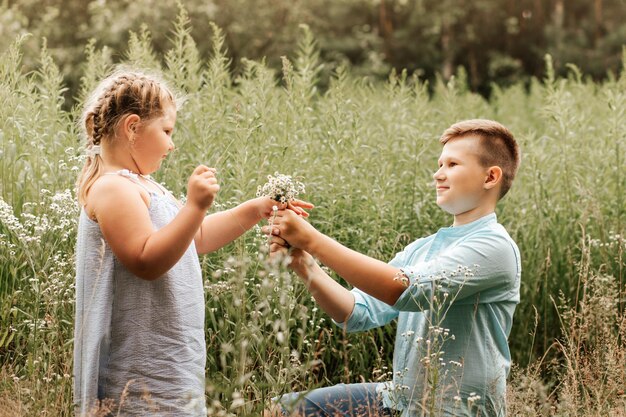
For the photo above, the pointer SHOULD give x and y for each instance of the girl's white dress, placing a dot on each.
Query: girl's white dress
(138, 343)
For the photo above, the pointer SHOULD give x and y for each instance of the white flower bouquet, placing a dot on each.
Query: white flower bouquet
(281, 188)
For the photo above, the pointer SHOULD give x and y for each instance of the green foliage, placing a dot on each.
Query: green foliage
(97, 65)
(183, 60)
(140, 51)
(499, 42)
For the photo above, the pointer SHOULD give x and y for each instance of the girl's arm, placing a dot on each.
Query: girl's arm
(125, 222)
(219, 229)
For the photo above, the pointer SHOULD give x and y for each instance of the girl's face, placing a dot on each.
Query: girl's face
(153, 141)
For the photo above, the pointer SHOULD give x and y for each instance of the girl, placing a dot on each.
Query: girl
(139, 332)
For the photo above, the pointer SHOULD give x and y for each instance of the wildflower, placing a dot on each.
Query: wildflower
(401, 276)
(281, 188)
(472, 399)
(238, 400)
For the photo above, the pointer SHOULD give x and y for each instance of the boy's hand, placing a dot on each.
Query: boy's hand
(265, 205)
(291, 228)
(300, 260)
(202, 187)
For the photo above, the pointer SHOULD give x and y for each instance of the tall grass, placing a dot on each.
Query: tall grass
(366, 153)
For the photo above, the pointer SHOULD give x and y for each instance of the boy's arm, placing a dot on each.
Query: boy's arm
(484, 268)
(372, 276)
(353, 310)
(334, 299)
(481, 263)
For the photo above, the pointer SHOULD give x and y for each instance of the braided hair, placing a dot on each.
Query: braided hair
(121, 94)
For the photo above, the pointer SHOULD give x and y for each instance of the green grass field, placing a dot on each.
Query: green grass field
(366, 152)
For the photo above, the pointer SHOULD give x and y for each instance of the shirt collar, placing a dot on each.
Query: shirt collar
(471, 226)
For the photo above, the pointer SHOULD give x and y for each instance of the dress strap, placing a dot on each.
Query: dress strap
(131, 176)
(161, 187)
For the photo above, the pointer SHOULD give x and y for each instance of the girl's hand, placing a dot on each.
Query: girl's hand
(265, 207)
(202, 187)
(298, 206)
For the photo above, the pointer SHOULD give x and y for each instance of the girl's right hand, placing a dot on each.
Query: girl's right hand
(202, 187)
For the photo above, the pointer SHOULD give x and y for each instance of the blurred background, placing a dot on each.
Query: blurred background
(496, 41)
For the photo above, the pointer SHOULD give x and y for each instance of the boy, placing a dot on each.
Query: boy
(453, 293)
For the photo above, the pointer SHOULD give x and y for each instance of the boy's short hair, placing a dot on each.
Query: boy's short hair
(498, 146)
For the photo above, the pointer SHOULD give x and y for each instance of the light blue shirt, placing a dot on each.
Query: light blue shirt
(463, 288)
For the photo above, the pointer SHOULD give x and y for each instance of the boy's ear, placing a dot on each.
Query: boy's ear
(494, 176)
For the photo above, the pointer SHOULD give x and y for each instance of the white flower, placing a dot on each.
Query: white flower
(238, 400)
(282, 188)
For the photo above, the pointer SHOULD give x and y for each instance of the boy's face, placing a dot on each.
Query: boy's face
(460, 179)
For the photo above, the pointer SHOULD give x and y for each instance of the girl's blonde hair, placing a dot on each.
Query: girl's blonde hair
(121, 94)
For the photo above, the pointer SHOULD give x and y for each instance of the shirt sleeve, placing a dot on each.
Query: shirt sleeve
(369, 312)
(482, 269)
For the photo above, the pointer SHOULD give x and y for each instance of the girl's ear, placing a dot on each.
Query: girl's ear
(130, 124)
(494, 175)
